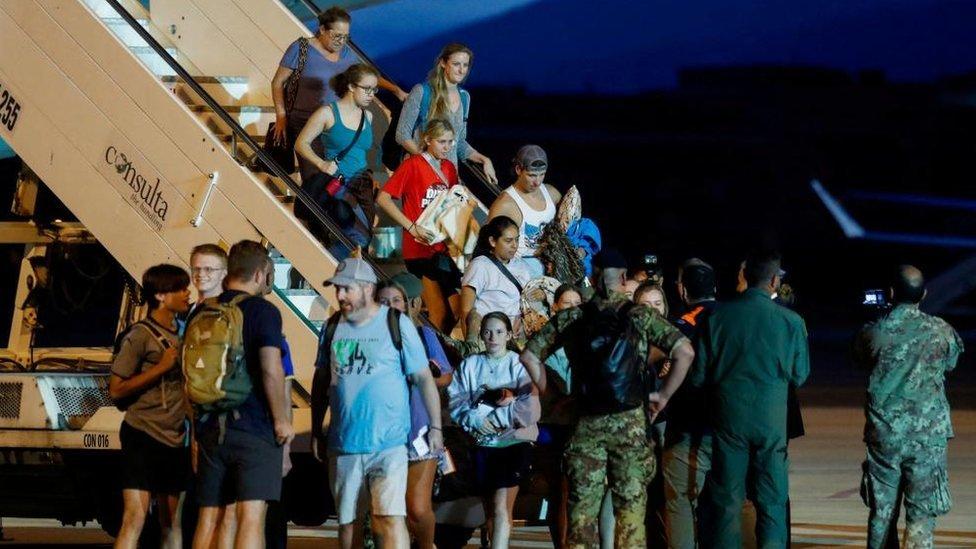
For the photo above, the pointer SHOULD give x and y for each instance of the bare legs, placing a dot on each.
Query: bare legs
(499, 508)
(420, 513)
(136, 506)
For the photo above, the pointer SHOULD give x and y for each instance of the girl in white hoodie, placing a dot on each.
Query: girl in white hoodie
(493, 400)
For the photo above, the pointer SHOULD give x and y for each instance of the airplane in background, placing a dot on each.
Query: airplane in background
(944, 288)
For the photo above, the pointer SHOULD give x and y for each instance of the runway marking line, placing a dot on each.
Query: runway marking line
(969, 534)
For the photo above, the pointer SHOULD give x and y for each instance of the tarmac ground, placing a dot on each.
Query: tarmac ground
(824, 482)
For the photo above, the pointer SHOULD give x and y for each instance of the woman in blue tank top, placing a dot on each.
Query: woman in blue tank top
(335, 126)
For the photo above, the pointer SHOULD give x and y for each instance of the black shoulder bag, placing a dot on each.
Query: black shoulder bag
(283, 154)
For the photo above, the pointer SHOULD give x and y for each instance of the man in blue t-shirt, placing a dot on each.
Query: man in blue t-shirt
(363, 377)
(245, 467)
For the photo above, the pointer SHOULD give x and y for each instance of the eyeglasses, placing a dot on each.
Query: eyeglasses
(206, 270)
(338, 38)
(367, 90)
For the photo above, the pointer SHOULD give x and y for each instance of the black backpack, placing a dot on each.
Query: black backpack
(614, 377)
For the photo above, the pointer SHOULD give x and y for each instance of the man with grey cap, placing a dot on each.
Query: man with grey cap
(367, 353)
(529, 201)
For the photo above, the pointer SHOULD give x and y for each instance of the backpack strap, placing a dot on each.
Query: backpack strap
(160, 337)
(325, 339)
(393, 323)
(237, 299)
(425, 99)
(465, 103)
(424, 106)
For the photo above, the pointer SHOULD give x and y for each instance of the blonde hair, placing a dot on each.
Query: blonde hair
(647, 287)
(439, 106)
(435, 128)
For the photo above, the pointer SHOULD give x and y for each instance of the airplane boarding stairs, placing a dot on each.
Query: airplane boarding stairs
(104, 120)
(142, 123)
(124, 125)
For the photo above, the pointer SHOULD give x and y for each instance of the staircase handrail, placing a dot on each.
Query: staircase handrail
(316, 210)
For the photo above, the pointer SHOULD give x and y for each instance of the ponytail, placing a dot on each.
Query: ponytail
(493, 229)
(353, 75)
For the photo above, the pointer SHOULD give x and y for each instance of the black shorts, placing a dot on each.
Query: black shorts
(502, 467)
(440, 268)
(244, 467)
(152, 466)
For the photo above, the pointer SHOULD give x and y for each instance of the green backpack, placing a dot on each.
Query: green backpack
(214, 364)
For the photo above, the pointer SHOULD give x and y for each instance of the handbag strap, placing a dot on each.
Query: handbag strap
(291, 85)
(362, 121)
(508, 274)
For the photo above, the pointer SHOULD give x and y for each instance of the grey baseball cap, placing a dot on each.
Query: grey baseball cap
(532, 157)
(350, 271)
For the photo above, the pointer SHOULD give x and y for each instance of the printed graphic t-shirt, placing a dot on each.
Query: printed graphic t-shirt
(417, 184)
(368, 396)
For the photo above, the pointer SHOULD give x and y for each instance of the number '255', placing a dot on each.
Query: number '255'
(9, 108)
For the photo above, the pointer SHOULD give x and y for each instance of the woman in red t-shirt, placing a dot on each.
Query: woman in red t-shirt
(417, 182)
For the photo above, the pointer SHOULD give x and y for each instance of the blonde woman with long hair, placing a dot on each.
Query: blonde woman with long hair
(441, 96)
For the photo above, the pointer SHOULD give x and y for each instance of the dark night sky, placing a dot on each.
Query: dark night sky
(724, 165)
(624, 46)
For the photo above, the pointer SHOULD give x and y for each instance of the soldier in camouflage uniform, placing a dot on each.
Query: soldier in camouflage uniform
(610, 441)
(907, 415)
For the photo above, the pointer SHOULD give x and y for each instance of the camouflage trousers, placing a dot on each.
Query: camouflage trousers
(609, 451)
(915, 471)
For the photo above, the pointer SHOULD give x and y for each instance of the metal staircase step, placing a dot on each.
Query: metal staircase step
(253, 118)
(228, 137)
(102, 9)
(300, 292)
(224, 92)
(120, 27)
(153, 61)
(307, 302)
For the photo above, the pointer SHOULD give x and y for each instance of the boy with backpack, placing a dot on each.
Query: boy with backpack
(232, 362)
(146, 382)
(607, 343)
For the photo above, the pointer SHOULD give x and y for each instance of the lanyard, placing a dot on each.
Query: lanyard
(436, 167)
